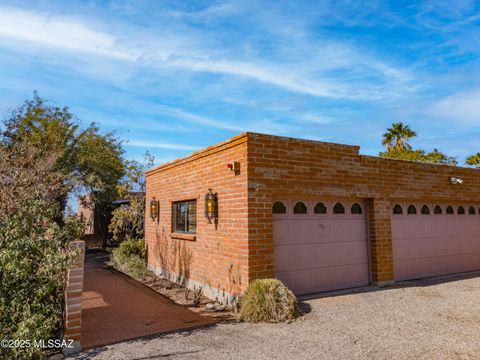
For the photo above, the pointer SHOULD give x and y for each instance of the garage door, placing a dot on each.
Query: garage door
(320, 245)
(435, 239)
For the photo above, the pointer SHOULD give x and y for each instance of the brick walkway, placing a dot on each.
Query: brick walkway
(117, 308)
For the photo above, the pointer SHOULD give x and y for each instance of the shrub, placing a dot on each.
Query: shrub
(268, 300)
(130, 258)
(34, 256)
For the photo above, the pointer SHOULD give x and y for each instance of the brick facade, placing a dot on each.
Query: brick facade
(73, 299)
(240, 249)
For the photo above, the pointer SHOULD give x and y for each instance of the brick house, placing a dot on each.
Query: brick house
(319, 216)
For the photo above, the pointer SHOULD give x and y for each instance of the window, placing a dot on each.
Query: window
(425, 210)
(437, 210)
(185, 216)
(279, 208)
(449, 210)
(300, 208)
(356, 209)
(320, 208)
(338, 209)
(471, 210)
(397, 209)
(412, 210)
(461, 210)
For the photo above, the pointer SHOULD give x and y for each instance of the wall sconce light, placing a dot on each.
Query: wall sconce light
(456, 181)
(154, 209)
(211, 206)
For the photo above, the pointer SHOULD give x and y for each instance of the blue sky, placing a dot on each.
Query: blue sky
(174, 76)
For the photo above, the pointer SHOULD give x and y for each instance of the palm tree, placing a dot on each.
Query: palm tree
(474, 160)
(397, 137)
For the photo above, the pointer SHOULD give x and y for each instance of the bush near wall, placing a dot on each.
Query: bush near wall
(34, 258)
(268, 300)
(129, 257)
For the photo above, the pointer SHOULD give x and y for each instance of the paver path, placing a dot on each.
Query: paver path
(117, 308)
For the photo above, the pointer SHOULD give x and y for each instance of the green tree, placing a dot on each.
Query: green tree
(397, 137)
(34, 248)
(433, 157)
(128, 219)
(87, 159)
(474, 160)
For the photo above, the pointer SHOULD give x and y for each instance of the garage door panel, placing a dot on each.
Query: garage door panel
(430, 245)
(321, 252)
(348, 230)
(282, 257)
(349, 253)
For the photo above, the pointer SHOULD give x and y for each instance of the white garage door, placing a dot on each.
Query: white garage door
(435, 239)
(320, 245)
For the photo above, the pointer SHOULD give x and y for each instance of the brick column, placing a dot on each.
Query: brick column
(73, 299)
(380, 231)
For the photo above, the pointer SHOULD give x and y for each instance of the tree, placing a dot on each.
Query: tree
(88, 160)
(397, 137)
(433, 157)
(474, 160)
(34, 248)
(396, 141)
(128, 219)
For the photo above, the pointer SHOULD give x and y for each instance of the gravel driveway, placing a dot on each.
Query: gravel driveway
(429, 319)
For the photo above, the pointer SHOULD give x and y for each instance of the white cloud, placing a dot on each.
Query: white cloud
(65, 33)
(160, 145)
(462, 107)
(306, 75)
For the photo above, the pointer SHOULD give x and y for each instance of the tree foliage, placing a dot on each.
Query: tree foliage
(396, 142)
(128, 219)
(433, 157)
(87, 159)
(397, 137)
(34, 248)
(44, 157)
(474, 160)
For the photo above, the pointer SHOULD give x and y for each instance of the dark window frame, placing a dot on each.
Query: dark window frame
(339, 209)
(397, 209)
(356, 209)
(279, 207)
(320, 208)
(300, 208)
(188, 226)
(412, 210)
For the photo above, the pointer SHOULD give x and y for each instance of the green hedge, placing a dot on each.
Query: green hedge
(130, 258)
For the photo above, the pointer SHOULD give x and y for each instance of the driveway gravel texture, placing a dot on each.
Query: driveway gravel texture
(427, 319)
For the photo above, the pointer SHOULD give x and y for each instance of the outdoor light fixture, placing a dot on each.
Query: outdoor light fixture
(154, 209)
(211, 206)
(456, 180)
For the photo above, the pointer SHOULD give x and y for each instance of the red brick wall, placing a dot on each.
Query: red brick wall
(274, 168)
(218, 256)
(73, 299)
(282, 168)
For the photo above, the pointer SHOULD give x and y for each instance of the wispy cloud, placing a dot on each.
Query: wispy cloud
(160, 145)
(44, 29)
(74, 35)
(463, 107)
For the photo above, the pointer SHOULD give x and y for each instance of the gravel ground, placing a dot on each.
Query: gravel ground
(429, 319)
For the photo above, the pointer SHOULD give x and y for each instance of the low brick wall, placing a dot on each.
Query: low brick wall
(73, 299)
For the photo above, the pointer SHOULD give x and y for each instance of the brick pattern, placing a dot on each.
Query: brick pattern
(73, 297)
(281, 167)
(273, 168)
(218, 255)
